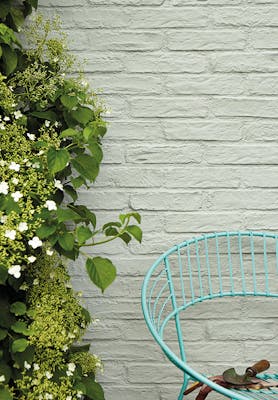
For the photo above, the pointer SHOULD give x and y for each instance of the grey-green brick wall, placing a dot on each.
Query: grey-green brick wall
(192, 92)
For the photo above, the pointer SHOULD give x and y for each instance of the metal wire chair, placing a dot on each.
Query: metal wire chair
(212, 266)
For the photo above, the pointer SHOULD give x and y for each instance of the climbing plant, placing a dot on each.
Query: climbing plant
(51, 127)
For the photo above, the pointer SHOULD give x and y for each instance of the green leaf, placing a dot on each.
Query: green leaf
(80, 349)
(19, 345)
(135, 231)
(135, 215)
(3, 274)
(83, 234)
(1, 51)
(3, 333)
(21, 327)
(17, 16)
(18, 308)
(45, 231)
(111, 224)
(4, 9)
(5, 394)
(111, 231)
(48, 115)
(101, 271)
(125, 237)
(57, 159)
(96, 151)
(6, 318)
(93, 389)
(77, 182)
(26, 355)
(69, 101)
(66, 214)
(86, 315)
(71, 192)
(87, 166)
(10, 59)
(98, 128)
(83, 115)
(69, 133)
(66, 241)
(85, 214)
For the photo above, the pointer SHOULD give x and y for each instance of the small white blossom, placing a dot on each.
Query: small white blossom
(79, 394)
(47, 123)
(2, 163)
(36, 282)
(15, 271)
(27, 365)
(50, 205)
(31, 136)
(65, 347)
(10, 234)
(49, 252)
(40, 153)
(2, 127)
(15, 181)
(4, 187)
(36, 367)
(71, 336)
(58, 184)
(35, 242)
(11, 88)
(71, 367)
(3, 219)
(31, 259)
(56, 124)
(48, 396)
(48, 375)
(36, 165)
(24, 286)
(6, 118)
(16, 196)
(22, 226)
(17, 114)
(2, 378)
(14, 166)
(69, 398)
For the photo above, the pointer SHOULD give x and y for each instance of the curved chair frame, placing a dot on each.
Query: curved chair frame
(153, 316)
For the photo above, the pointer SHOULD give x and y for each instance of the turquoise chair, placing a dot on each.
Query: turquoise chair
(210, 267)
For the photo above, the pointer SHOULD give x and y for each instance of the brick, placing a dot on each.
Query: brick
(262, 85)
(210, 351)
(244, 199)
(127, 83)
(205, 130)
(168, 17)
(101, 62)
(116, 106)
(135, 130)
(162, 154)
(153, 373)
(245, 16)
(162, 200)
(62, 3)
(128, 2)
(261, 221)
(205, 84)
(206, 40)
(131, 392)
(123, 40)
(164, 107)
(262, 131)
(248, 330)
(244, 154)
(245, 107)
(104, 200)
(260, 177)
(249, 62)
(112, 154)
(201, 177)
(205, 2)
(264, 38)
(202, 222)
(165, 62)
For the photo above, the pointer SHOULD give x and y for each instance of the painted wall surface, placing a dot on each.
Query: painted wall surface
(192, 88)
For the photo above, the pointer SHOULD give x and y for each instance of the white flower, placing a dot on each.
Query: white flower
(36, 367)
(4, 187)
(3, 219)
(2, 378)
(56, 124)
(16, 196)
(65, 347)
(2, 163)
(27, 365)
(71, 367)
(50, 205)
(10, 234)
(2, 127)
(48, 375)
(40, 153)
(22, 226)
(49, 252)
(47, 123)
(36, 282)
(35, 242)
(55, 59)
(58, 184)
(31, 259)
(14, 166)
(15, 271)
(69, 398)
(71, 335)
(6, 118)
(36, 165)
(31, 136)
(48, 396)
(17, 114)
(15, 181)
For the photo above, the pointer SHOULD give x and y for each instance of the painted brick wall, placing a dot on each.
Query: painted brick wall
(192, 87)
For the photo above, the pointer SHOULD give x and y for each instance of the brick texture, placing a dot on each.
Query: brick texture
(191, 87)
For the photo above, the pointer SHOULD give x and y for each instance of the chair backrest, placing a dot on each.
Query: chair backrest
(207, 267)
